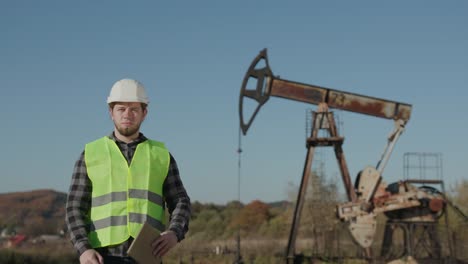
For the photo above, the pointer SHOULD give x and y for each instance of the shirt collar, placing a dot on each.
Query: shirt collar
(138, 140)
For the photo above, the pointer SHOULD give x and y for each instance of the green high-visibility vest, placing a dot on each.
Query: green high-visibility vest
(124, 196)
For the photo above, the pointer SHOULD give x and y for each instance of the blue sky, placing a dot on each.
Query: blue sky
(59, 60)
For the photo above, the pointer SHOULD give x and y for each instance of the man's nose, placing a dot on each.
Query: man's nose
(127, 112)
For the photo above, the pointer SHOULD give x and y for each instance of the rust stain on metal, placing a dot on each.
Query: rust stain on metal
(436, 205)
(368, 105)
(297, 91)
(340, 100)
(372, 108)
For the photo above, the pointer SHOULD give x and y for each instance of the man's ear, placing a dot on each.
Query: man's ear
(110, 113)
(145, 112)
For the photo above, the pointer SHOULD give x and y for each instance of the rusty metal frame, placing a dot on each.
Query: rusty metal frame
(321, 120)
(428, 240)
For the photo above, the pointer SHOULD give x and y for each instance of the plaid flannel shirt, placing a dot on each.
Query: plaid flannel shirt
(79, 202)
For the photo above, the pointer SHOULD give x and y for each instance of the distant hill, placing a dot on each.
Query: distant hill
(34, 212)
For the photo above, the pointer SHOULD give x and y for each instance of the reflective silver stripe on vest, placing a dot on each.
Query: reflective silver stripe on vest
(145, 194)
(108, 198)
(122, 196)
(142, 218)
(109, 221)
(122, 220)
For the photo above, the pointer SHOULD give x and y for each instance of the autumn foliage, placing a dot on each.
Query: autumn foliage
(252, 216)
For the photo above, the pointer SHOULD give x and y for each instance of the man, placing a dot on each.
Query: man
(122, 181)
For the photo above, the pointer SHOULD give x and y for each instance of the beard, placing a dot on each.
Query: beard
(128, 131)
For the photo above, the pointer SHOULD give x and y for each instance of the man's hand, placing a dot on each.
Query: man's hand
(91, 256)
(164, 243)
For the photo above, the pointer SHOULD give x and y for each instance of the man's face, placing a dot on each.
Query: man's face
(128, 117)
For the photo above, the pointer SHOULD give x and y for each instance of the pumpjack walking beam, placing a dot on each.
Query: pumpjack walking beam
(268, 85)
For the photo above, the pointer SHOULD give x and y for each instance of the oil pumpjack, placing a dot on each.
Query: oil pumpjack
(369, 195)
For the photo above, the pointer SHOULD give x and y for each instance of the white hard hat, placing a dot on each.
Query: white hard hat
(127, 90)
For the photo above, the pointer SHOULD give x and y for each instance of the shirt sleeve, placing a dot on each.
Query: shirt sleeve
(78, 206)
(177, 201)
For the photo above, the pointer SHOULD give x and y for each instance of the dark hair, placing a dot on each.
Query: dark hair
(143, 105)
